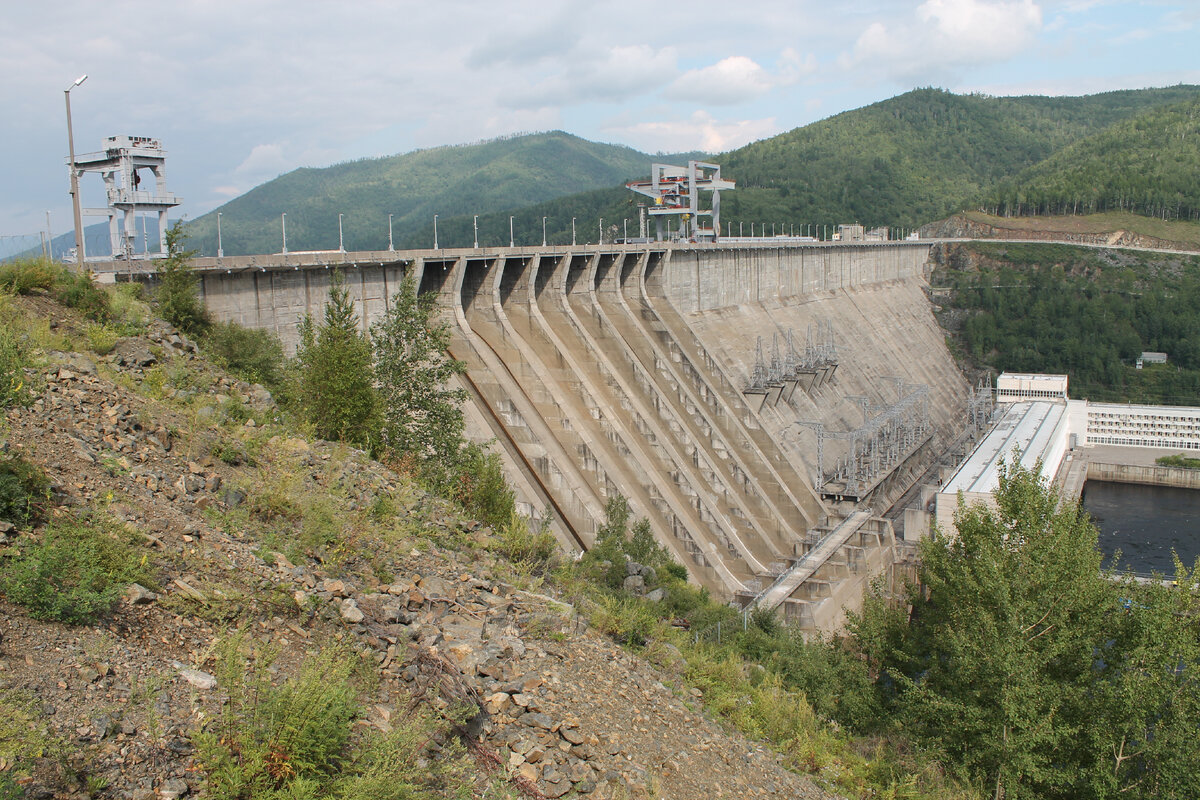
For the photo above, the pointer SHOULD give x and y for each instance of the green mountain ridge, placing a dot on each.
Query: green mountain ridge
(901, 162)
(1149, 165)
(510, 172)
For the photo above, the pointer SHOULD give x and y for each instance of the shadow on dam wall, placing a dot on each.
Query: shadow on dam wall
(621, 369)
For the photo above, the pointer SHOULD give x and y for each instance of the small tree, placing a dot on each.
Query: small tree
(422, 416)
(178, 292)
(335, 382)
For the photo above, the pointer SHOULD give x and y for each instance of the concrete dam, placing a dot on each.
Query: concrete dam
(760, 404)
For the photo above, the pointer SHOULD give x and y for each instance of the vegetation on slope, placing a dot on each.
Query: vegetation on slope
(1148, 165)
(1082, 312)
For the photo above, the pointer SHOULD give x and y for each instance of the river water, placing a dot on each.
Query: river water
(1144, 523)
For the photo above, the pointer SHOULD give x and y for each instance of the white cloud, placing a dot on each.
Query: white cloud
(265, 161)
(699, 131)
(738, 79)
(945, 37)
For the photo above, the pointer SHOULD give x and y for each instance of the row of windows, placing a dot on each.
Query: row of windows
(1174, 444)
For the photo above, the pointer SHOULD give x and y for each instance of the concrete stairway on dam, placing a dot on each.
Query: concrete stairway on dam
(564, 426)
(501, 403)
(602, 341)
(769, 528)
(628, 460)
(713, 387)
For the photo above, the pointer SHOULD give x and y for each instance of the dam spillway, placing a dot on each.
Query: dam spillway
(624, 368)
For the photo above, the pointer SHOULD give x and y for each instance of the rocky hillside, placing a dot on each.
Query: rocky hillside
(263, 558)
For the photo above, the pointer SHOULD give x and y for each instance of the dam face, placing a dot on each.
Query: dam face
(607, 369)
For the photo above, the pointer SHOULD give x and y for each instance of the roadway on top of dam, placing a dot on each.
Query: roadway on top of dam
(338, 258)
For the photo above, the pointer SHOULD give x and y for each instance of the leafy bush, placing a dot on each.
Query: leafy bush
(24, 275)
(516, 542)
(77, 290)
(24, 740)
(482, 489)
(178, 287)
(75, 573)
(101, 338)
(14, 360)
(295, 740)
(255, 356)
(24, 491)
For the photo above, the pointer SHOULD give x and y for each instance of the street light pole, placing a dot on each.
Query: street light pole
(220, 250)
(435, 247)
(476, 231)
(510, 233)
(341, 245)
(543, 231)
(601, 231)
(572, 230)
(390, 247)
(79, 255)
(283, 224)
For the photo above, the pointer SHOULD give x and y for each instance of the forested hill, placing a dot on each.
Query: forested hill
(1149, 165)
(905, 161)
(512, 172)
(916, 157)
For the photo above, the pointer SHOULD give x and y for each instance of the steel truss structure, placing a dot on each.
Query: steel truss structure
(887, 436)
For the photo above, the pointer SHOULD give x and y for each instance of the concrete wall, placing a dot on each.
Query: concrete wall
(621, 369)
(708, 279)
(1151, 476)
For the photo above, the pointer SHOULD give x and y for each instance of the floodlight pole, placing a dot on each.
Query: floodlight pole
(511, 242)
(543, 231)
(601, 231)
(435, 247)
(283, 225)
(79, 255)
(390, 247)
(476, 231)
(220, 250)
(572, 231)
(341, 244)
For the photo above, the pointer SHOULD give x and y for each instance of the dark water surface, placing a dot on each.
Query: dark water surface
(1144, 523)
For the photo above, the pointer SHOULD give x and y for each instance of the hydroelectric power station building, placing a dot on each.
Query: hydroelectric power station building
(1039, 425)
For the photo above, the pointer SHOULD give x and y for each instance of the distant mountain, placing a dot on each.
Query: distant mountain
(512, 172)
(1148, 165)
(916, 157)
(903, 162)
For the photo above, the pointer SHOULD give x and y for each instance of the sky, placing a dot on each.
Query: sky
(241, 92)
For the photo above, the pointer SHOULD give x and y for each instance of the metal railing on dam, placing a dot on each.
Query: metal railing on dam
(599, 369)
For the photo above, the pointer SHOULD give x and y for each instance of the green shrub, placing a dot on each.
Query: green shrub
(15, 358)
(24, 491)
(24, 275)
(255, 356)
(178, 292)
(77, 290)
(278, 741)
(101, 338)
(482, 489)
(75, 573)
(24, 740)
(516, 542)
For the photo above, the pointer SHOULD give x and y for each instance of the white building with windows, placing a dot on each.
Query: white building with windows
(1036, 420)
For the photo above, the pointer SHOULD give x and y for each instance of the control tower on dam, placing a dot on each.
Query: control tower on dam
(747, 399)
